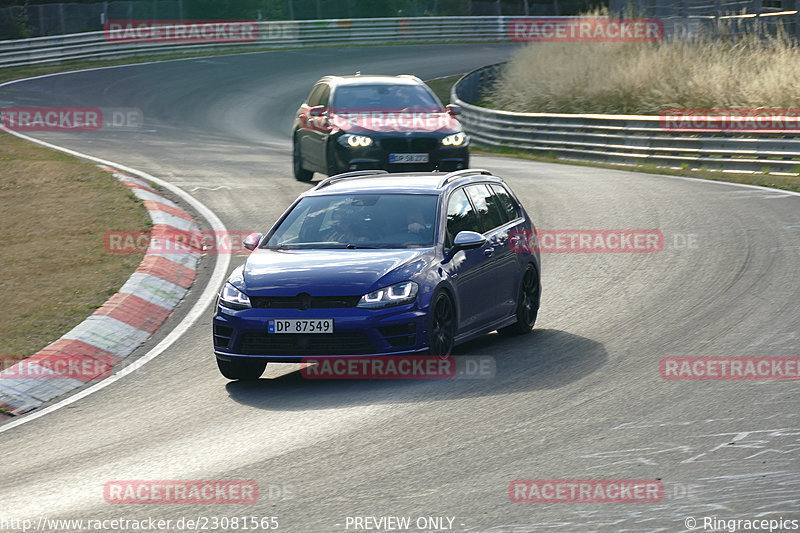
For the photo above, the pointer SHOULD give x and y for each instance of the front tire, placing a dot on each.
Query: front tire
(330, 162)
(242, 370)
(527, 304)
(300, 174)
(443, 325)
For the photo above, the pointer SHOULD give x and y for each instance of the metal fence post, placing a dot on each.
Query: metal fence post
(757, 9)
(797, 19)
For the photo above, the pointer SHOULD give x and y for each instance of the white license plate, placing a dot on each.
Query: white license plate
(408, 158)
(300, 325)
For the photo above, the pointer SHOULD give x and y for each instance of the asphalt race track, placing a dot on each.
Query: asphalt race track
(580, 398)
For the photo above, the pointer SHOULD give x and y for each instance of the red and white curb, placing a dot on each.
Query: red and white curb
(117, 328)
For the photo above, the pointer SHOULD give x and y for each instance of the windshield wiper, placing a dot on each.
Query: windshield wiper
(361, 247)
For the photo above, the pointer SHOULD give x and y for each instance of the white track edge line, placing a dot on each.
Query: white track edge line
(207, 296)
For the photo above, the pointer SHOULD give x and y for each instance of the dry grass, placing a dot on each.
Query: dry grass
(646, 78)
(55, 211)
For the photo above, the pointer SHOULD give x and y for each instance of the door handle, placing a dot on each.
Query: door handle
(488, 252)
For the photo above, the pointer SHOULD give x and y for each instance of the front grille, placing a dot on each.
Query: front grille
(303, 302)
(346, 343)
(410, 144)
(222, 335)
(400, 335)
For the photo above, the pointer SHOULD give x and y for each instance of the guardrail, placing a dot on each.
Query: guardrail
(627, 139)
(273, 34)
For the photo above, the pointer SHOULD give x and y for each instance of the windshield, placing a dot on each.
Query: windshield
(384, 96)
(358, 221)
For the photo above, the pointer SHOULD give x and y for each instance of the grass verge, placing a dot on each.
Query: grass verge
(442, 86)
(56, 209)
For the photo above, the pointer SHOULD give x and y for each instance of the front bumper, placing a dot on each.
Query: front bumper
(242, 334)
(444, 158)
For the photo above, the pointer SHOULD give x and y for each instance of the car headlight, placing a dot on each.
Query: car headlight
(357, 141)
(233, 298)
(397, 294)
(455, 139)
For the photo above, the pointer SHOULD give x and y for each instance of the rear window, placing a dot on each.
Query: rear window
(486, 205)
(505, 201)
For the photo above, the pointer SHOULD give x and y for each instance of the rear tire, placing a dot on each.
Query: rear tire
(527, 304)
(242, 370)
(300, 174)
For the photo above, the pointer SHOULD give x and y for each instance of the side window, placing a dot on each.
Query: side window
(315, 94)
(506, 202)
(487, 209)
(325, 96)
(460, 216)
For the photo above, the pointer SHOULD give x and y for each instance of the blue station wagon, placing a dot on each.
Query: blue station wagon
(369, 263)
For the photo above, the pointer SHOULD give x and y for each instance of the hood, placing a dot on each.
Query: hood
(327, 272)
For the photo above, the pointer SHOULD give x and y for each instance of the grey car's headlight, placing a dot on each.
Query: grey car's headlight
(455, 139)
(358, 141)
(397, 294)
(232, 297)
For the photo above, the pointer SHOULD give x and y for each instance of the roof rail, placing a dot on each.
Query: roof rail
(348, 176)
(461, 173)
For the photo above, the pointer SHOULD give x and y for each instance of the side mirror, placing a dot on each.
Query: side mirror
(251, 241)
(467, 240)
(317, 111)
(453, 110)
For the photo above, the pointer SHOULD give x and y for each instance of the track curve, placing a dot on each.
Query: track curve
(581, 398)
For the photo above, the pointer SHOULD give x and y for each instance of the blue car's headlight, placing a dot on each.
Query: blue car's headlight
(397, 294)
(232, 297)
